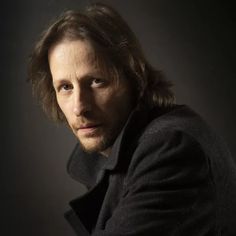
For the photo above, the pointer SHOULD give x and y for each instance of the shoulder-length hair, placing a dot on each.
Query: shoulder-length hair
(117, 51)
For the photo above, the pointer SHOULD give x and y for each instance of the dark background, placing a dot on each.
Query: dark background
(193, 42)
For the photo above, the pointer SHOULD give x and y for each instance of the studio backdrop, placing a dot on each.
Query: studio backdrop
(192, 42)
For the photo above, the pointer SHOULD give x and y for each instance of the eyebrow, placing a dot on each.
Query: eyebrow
(84, 77)
(59, 81)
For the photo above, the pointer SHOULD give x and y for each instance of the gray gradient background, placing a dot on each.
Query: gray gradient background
(192, 41)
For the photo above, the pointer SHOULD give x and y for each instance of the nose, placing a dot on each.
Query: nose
(81, 102)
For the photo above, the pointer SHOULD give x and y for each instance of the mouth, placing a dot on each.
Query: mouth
(88, 128)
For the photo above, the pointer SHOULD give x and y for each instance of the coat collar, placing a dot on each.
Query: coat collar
(87, 168)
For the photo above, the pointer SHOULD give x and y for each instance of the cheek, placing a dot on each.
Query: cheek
(114, 103)
(103, 99)
(65, 108)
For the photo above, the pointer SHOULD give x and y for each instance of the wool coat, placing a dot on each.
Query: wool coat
(168, 175)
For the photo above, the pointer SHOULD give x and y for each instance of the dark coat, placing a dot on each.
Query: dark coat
(168, 174)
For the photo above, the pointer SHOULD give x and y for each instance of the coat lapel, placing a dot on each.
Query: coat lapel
(93, 171)
(87, 207)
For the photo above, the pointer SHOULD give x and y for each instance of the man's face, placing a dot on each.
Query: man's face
(96, 107)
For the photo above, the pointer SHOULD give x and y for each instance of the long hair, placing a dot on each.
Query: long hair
(117, 51)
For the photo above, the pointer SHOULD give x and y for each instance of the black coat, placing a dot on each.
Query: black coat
(168, 174)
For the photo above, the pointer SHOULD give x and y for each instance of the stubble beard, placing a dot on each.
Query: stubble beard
(100, 142)
(105, 139)
(97, 144)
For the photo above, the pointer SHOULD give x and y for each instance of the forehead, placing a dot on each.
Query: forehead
(77, 51)
(66, 56)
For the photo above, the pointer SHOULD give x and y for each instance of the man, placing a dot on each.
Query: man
(151, 167)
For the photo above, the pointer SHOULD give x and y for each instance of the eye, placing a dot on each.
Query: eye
(98, 82)
(64, 87)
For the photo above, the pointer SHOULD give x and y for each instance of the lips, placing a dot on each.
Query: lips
(88, 130)
(88, 126)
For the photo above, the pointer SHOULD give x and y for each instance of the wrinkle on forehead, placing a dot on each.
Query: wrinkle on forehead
(87, 53)
(65, 51)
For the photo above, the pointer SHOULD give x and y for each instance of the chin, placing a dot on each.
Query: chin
(94, 144)
(97, 142)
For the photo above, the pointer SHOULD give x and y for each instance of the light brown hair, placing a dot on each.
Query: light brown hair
(115, 46)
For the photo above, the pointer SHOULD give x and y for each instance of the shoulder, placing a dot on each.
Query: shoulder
(179, 145)
(166, 150)
(180, 117)
(179, 126)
